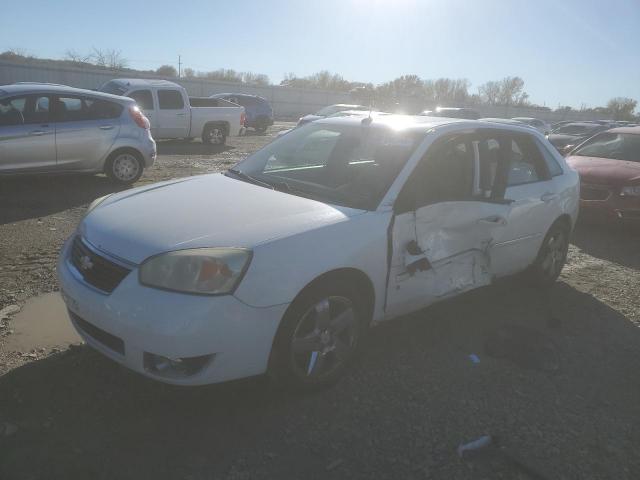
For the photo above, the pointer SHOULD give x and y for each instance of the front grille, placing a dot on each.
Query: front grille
(95, 269)
(594, 193)
(110, 341)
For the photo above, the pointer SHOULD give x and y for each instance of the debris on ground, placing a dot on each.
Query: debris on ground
(7, 311)
(7, 429)
(335, 464)
(473, 446)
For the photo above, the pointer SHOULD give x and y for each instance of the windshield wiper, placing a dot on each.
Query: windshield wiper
(249, 178)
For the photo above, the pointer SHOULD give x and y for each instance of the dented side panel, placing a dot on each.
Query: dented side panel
(454, 239)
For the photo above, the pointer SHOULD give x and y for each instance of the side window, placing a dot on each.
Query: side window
(96, 109)
(12, 111)
(524, 162)
(170, 100)
(444, 174)
(552, 164)
(143, 98)
(68, 109)
(39, 113)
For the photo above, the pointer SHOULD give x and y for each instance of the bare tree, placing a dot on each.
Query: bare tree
(75, 56)
(489, 92)
(622, 108)
(189, 73)
(251, 78)
(167, 71)
(512, 91)
(111, 58)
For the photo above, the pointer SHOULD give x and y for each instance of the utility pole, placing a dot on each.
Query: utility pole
(179, 66)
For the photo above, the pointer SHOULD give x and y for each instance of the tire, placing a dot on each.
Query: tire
(319, 337)
(214, 134)
(261, 129)
(551, 257)
(124, 167)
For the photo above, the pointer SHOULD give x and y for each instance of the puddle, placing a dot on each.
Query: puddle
(42, 323)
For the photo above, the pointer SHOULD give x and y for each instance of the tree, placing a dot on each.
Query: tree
(251, 78)
(489, 92)
(622, 108)
(512, 91)
(112, 58)
(74, 56)
(167, 71)
(189, 73)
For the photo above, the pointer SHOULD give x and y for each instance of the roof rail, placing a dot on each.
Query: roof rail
(40, 83)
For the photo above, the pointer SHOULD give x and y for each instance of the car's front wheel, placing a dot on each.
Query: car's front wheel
(124, 167)
(319, 337)
(551, 257)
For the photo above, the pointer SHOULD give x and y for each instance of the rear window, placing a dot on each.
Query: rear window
(75, 109)
(170, 100)
(616, 146)
(143, 98)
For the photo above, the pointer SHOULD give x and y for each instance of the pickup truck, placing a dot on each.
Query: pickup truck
(174, 115)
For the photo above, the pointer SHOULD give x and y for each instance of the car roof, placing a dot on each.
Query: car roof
(634, 130)
(144, 82)
(422, 123)
(32, 87)
(220, 95)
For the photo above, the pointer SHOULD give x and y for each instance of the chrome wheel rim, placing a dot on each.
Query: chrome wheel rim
(556, 251)
(215, 135)
(324, 339)
(125, 167)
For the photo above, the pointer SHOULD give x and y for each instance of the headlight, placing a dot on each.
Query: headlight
(204, 271)
(631, 191)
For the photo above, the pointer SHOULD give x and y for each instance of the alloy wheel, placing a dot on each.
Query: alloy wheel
(324, 339)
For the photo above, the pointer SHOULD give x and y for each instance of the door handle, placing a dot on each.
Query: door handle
(106, 127)
(494, 220)
(37, 133)
(547, 197)
(179, 114)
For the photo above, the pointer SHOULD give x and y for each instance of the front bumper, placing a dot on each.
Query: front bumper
(134, 322)
(606, 203)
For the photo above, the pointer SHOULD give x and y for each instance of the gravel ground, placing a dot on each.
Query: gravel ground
(556, 384)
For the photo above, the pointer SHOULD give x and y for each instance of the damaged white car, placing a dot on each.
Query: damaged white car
(280, 264)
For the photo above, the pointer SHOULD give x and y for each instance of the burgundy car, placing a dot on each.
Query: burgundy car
(609, 168)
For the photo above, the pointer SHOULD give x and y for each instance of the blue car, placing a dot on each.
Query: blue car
(259, 114)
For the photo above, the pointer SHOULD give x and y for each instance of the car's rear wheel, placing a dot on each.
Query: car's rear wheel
(214, 135)
(551, 257)
(319, 337)
(124, 167)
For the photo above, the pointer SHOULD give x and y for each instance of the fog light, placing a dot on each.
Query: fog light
(175, 367)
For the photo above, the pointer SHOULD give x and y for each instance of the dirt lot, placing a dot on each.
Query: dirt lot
(557, 383)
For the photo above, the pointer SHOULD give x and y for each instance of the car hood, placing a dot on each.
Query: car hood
(605, 171)
(202, 211)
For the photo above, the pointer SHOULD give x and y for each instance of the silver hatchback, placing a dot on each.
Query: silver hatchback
(53, 128)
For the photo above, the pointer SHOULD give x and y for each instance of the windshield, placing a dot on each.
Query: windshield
(114, 88)
(576, 129)
(345, 165)
(617, 146)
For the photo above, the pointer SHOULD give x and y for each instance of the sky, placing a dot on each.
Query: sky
(573, 52)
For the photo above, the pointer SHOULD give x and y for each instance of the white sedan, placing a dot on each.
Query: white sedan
(280, 264)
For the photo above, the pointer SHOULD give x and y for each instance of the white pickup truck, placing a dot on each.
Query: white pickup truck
(174, 115)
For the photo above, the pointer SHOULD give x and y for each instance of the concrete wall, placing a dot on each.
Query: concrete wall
(287, 102)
